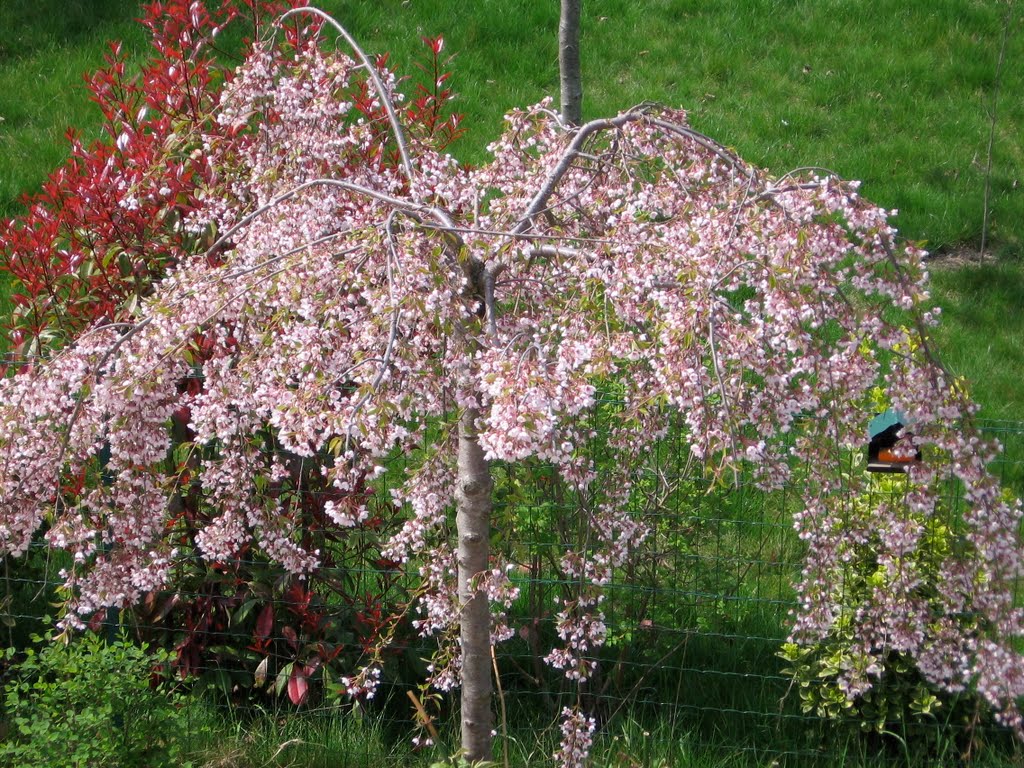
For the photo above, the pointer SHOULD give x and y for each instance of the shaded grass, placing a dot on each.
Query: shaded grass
(27, 29)
(982, 332)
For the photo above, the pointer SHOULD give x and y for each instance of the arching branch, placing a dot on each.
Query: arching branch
(371, 72)
(640, 113)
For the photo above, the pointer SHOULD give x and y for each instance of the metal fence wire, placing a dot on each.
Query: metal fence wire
(694, 627)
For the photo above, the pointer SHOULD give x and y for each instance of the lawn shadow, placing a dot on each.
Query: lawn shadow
(27, 28)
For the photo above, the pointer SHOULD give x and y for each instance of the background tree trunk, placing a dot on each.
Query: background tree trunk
(569, 62)
(472, 521)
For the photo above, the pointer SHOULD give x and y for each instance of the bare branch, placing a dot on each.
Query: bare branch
(554, 251)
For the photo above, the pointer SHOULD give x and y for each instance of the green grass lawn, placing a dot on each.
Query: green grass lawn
(46, 46)
(895, 93)
(982, 332)
(898, 94)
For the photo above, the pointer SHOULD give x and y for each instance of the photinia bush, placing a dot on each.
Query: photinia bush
(364, 296)
(104, 224)
(111, 222)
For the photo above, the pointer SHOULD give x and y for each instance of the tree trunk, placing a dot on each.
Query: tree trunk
(472, 521)
(569, 62)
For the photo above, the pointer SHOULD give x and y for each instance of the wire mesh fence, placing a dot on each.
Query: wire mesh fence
(694, 626)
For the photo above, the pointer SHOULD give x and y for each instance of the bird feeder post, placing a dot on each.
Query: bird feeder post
(885, 432)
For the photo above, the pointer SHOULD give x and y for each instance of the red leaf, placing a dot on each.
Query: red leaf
(97, 620)
(290, 636)
(265, 622)
(435, 44)
(298, 687)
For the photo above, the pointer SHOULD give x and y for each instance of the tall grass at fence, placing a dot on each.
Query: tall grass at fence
(337, 740)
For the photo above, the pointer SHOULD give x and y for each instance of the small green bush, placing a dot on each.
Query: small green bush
(87, 702)
(899, 695)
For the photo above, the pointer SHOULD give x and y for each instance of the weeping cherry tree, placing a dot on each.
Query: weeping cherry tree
(352, 311)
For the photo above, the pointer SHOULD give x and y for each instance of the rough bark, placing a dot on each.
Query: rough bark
(473, 512)
(569, 62)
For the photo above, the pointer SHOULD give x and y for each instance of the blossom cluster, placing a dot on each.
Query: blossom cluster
(577, 739)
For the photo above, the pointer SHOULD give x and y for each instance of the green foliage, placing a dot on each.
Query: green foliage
(28, 582)
(899, 694)
(89, 702)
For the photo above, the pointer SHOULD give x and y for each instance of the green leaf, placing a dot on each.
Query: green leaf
(282, 677)
(243, 611)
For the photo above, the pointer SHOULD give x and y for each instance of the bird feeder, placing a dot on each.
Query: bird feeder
(884, 432)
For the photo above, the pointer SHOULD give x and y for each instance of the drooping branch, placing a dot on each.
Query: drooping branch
(395, 202)
(640, 113)
(371, 72)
